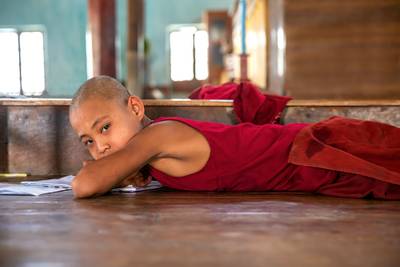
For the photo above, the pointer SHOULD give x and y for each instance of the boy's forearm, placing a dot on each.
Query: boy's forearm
(82, 189)
(100, 176)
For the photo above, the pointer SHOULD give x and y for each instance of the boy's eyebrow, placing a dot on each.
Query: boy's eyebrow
(81, 137)
(97, 121)
(94, 125)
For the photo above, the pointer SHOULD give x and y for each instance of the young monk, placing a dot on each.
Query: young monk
(205, 156)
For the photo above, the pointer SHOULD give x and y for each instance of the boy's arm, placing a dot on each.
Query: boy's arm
(99, 176)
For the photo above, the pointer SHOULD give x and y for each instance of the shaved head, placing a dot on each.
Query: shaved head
(100, 87)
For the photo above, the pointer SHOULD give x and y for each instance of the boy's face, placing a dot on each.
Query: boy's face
(105, 127)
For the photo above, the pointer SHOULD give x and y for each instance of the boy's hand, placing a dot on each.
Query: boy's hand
(137, 180)
(88, 179)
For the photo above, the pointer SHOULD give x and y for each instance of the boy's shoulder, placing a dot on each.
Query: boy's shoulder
(166, 125)
(170, 130)
(175, 140)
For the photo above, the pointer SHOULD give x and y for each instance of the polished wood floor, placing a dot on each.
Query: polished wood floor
(169, 228)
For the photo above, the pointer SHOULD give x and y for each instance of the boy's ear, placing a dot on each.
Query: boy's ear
(135, 105)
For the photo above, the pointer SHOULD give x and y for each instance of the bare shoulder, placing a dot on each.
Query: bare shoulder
(174, 134)
(170, 127)
(167, 127)
(183, 149)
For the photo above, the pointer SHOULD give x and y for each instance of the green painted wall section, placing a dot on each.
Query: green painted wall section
(161, 13)
(65, 26)
(65, 23)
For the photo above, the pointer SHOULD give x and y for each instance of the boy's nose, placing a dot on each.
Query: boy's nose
(103, 148)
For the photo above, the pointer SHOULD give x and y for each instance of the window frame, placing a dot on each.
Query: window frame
(175, 28)
(18, 29)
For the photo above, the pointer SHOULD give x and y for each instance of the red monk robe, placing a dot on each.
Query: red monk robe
(362, 148)
(249, 157)
(364, 155)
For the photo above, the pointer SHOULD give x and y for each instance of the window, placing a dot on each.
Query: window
(22, 62)
(188, 53)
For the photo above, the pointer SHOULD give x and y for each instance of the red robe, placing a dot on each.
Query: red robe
(249, 104)
(249, 157)
(364, 154)
(360, 147)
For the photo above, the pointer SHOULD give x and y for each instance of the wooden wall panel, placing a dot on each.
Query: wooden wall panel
(342, 49)
(39, 140)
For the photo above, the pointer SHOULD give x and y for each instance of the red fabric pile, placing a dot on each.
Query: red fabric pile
(249, 104)
(360, 147)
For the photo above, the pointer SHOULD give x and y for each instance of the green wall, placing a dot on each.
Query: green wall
(161, 13)
(65, 23)
(65, 26)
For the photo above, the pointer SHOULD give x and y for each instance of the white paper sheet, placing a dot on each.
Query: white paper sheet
(47, 186)
(27, 190)
(63, 182)
(131, 189)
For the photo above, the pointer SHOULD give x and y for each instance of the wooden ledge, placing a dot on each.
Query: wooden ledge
(187, 103)
(147, 102)
(343, 103)
(206, 103)
(35, 102)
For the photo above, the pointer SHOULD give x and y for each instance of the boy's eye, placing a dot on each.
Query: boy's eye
(105, 128)
(88, 142)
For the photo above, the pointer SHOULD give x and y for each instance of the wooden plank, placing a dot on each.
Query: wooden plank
(342, 103)
(342, 49)
(37, 138)
(40, 141)
(169, 228)
(385, 114)
(147, 102)
(210, 103)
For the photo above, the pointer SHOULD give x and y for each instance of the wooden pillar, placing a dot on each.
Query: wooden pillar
(3, 139)
(102, 26)
(135, 48)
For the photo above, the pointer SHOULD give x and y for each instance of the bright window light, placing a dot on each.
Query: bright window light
(21, 63)
(89, 55)
(9, 64)
(188, 53)
(181, 43)
(32, 63)
(201, 54)
(281, 43)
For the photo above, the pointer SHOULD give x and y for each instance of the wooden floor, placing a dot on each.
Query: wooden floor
(168, 228)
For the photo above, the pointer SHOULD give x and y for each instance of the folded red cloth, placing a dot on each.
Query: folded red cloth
(249, 104)
(360, 147)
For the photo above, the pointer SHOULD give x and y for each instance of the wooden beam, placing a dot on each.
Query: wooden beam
(209, 103)
(135, 48)
(102, 26)
(3, 138)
